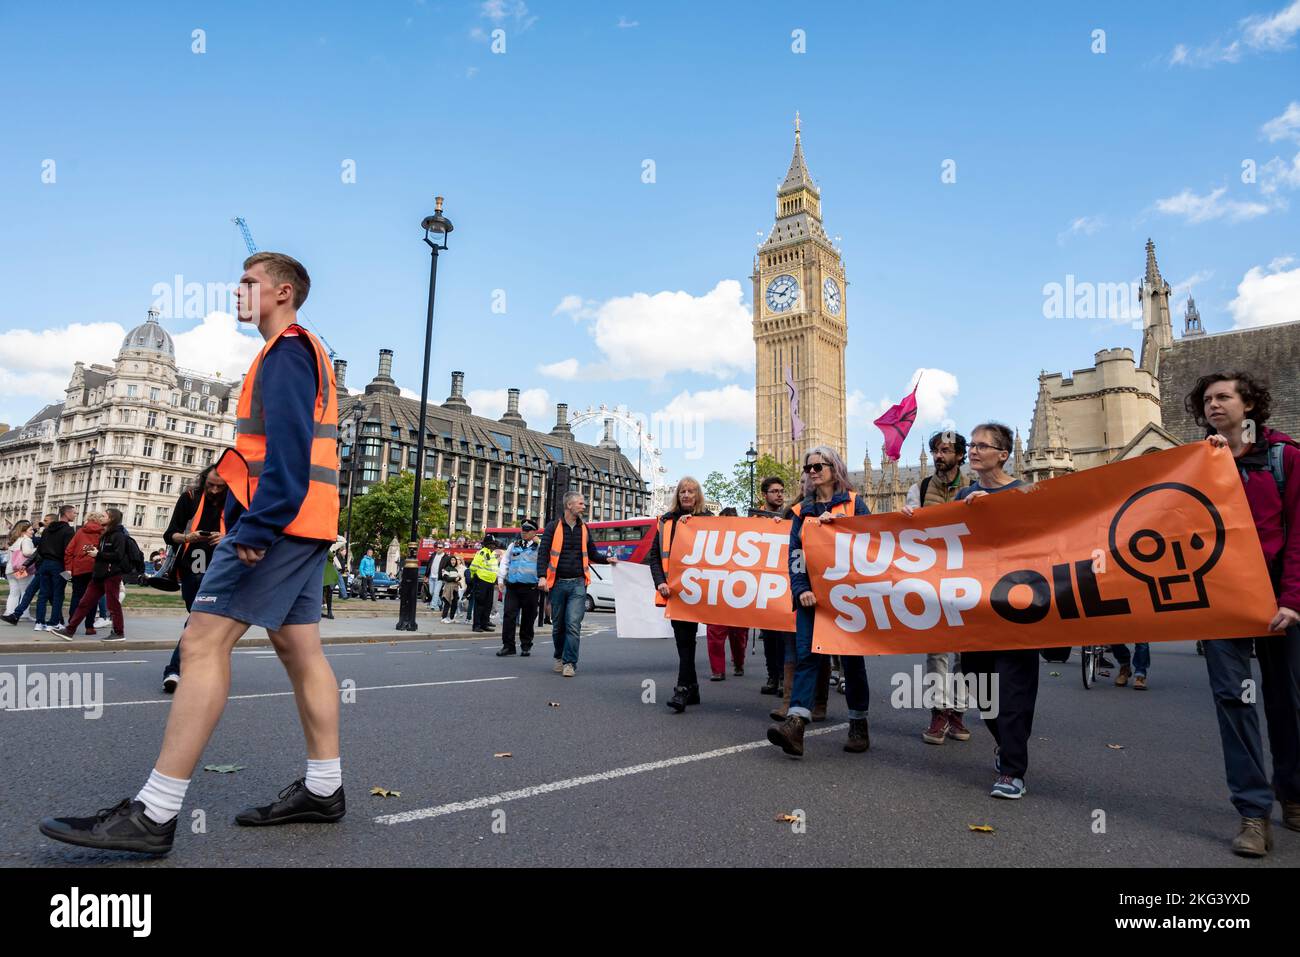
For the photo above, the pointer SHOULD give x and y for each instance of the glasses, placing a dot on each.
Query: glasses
(815, 467)
(985, 447)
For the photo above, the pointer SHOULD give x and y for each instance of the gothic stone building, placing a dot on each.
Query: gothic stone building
(501, 469)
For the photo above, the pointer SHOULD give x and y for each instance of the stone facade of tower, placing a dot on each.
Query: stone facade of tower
(1049, 453)
(1157, 329)
(800, 322)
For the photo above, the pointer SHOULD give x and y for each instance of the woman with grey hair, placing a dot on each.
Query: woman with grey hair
(827, 495)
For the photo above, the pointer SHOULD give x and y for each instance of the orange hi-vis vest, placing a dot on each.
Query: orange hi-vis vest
(666, 531)
(194, 521)
(557, 545)
(318, 516)
(843, 508)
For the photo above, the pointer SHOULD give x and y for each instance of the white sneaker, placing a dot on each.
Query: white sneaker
(103, 622)
(445, 621)
(569, 671)
(39, 627)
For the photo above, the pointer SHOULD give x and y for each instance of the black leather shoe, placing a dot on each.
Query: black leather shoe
(12, 619)
(505, 653)
(693, 694)
(525, 653)
(123, 827)
(296, 804)
(771, 687)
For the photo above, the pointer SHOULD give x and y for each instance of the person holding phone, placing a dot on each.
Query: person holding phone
(197, 527)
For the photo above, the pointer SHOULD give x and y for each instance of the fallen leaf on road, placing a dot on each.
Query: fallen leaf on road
(385, 793)
(786, 818)
(981, 828)
(223, 768)
(1054, 674)
(503, 754)
(1115, 747)
(552, 704)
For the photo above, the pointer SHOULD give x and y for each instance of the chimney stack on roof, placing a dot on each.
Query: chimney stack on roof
(512, 416)
(457, 398)
(562, 421)
(341, 374)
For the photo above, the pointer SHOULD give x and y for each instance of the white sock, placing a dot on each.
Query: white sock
(324, 777)
(162, 796)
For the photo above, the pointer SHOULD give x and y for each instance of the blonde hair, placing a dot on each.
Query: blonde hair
(99, 517)
(699, 495)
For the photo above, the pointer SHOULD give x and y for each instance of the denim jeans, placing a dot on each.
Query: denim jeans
(568, 605)
(1140, 659)
(807, 664)
(1228, 662)
(47, 589)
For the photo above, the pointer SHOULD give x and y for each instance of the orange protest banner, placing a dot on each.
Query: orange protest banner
(1158, 548)
(731, 571)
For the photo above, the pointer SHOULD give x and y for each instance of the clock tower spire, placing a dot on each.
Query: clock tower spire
(800, 321)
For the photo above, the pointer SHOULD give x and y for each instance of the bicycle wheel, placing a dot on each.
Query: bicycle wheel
(1088, 657)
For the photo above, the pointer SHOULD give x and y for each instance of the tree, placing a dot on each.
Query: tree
(384, 512)
(734, 492)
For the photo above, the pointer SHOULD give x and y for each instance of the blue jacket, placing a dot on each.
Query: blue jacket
(521, 563)
(366, 568)
(289, 395)
(810, 506)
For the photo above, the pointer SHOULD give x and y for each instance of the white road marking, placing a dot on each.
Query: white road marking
(51, 664)
(268, 694)
(474, 804)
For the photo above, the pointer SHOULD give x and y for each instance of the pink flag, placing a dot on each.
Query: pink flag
(896, 422)
(796, 423)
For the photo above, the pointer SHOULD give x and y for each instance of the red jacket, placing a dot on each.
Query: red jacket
(1281, 544)
(74, 559)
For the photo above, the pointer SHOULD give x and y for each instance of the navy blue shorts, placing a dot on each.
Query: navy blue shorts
(284, 588)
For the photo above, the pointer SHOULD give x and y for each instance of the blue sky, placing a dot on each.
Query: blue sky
(1066, 161)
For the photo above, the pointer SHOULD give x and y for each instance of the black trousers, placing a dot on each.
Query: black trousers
(1013, 697)
(520, 603)
(684, 632)
(774, 654)
(482, 603)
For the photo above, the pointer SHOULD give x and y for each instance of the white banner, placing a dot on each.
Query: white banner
(635, 612)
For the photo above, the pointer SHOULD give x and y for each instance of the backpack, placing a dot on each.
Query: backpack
(134, 558)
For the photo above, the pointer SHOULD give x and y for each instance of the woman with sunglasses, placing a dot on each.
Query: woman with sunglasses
(1017, 669)
(826, 495)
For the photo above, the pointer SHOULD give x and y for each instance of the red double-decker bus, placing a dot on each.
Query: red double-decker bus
(627, 539)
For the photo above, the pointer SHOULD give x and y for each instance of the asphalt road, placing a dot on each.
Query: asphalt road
(600, 778)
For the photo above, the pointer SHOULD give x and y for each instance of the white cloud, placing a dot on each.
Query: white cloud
(625, 24)
(934, 396)
(1195, 208)
(501, 11)
(216, 345)
(731, 404)
(1083, 226)
(1180, 290)
(1284, 127)
(1278, 174)
(534, 404)
(1267, 295)
(644, 336)
(1259, 32)
(571, 304)
(564, 369)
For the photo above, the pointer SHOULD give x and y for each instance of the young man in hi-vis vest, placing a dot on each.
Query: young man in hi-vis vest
(281, 516)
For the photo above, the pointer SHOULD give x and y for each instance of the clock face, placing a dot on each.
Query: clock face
(782, 293)
(831, 296)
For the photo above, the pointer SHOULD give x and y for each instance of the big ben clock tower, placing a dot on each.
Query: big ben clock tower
(800, 322)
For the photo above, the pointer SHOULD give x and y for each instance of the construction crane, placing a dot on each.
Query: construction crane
(252, 248)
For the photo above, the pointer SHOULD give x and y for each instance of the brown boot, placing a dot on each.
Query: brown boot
(823, 695)
(1255, 838)
(859, 737)
(779, 714)
(788, 736)
(1291, 814)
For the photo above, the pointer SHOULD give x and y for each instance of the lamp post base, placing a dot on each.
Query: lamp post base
(408, 591)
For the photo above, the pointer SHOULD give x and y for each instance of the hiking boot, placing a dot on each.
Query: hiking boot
(1140, 683)
(938, 729)
(788, 735)
(123, 827)
(1255, 839)
(680, 698)
(295, 804)
(782, 712)
(956, 727)
(1121, 679)
(693, 695)
(1291, 814)
(859, 736)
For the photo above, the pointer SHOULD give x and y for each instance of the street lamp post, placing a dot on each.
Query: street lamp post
(436, 229)
(357, 416)
(752, 456)
(451, 504)
(90, 469)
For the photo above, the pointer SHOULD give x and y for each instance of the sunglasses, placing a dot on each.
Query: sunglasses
(815, 467)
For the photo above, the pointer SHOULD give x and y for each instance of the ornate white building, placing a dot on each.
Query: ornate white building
(152, 425)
